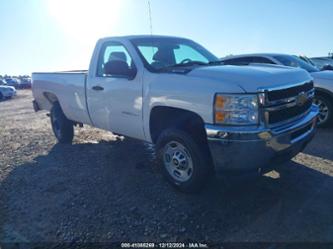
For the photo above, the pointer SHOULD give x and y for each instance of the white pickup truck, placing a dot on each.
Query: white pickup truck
(203, 117)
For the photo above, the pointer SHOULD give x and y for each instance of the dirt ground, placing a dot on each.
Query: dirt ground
(102, 189)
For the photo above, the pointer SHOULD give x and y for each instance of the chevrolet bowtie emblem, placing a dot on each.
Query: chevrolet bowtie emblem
(301, 99)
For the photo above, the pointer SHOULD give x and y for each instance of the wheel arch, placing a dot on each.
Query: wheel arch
(164, 117)
(325, 92)
(51, 97)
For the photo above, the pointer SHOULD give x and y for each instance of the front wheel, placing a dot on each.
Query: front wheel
(186, 163)
(62, 127)
(325, 106)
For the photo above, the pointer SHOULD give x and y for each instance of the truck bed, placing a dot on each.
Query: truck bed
(63, 72)
(67, 87)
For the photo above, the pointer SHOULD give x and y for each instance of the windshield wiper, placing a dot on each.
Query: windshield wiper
(219, 62)
(187, 64)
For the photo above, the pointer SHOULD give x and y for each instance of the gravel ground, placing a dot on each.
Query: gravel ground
(103, 189)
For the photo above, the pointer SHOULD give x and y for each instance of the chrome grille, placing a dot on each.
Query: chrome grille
(285, 105)
(289, 92)
(288, 113)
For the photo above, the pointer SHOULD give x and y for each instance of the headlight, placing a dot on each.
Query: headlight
(236, 109)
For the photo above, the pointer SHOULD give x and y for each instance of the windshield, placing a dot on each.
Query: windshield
(294, 61)
(160, 53)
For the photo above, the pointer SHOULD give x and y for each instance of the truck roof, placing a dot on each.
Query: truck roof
(129, 37)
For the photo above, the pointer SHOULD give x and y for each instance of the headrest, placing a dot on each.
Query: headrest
(118, 56)
(116, 67)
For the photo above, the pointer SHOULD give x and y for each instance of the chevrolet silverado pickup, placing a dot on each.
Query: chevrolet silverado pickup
(204, 118)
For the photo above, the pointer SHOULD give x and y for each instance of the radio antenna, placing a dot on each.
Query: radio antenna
(150, 18)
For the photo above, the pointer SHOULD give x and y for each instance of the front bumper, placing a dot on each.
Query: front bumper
(253, 148)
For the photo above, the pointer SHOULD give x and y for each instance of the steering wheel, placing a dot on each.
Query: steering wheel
(185, 61)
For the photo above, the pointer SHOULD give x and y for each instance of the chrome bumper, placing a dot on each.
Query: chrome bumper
(252, 148)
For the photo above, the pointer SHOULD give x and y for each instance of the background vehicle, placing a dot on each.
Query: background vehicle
(323, 63)
(7, 92)
(204, 117)
(25, 83)
(323, 80)
(308, 60)
(12, 82)
(3, 82)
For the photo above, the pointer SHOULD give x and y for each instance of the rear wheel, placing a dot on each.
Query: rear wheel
(62, 127)
(325, 106)
(186, 163)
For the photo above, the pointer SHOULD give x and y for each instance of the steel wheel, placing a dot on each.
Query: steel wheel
(178, 162)
(323, 110)
(185, 162)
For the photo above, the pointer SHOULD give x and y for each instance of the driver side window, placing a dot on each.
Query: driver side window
(111, 52)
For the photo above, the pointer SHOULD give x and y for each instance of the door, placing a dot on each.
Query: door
(115, 99)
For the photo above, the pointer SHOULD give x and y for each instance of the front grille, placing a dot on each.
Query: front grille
(289, 92)
(288, 113)
(284, 105)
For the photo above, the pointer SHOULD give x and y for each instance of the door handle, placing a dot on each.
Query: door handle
(98, 88)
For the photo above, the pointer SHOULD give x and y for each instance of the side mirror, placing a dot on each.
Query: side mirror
(119, 68)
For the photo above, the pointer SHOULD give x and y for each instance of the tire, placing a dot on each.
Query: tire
(186, 164)
(325, 105)
(1, 96)
(63, 128)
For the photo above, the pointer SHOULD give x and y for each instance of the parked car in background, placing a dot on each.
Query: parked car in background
(3, 82)
(323, 63)
(24, 83)
(308, 60)
(204, 117)
(323, 80)
(12, 82)
(7, 92)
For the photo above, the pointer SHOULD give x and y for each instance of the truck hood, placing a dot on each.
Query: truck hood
(326, 75)
(251, 78)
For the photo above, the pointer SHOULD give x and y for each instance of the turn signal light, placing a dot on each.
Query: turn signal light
(219, 116)
(219, 102)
